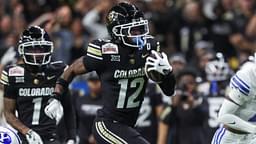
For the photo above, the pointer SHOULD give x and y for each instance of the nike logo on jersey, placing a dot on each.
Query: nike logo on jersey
(144, 55)
(50, 77)
(232, 123)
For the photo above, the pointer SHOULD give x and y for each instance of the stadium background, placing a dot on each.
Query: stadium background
(190, 31)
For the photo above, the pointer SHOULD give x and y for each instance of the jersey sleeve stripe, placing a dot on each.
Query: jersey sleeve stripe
(3, 82)
(4, 72)
(94, 51)
(242, 84)
(93, 56)
(241, 88)
(252, 119)
(94, 46)
(4, 77)
(242, 81)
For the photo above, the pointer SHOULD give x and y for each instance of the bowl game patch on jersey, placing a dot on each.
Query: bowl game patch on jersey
(109, 48)
(16, 71)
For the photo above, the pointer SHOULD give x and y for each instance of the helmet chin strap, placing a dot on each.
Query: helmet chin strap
(138, 41)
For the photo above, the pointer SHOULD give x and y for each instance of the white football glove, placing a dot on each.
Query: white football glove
(54, 110)
(158, 63)
(33, 138)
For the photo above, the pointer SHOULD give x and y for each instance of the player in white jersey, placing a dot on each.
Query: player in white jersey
(238, 111)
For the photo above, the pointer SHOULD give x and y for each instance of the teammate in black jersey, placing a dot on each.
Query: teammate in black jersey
(120, 63)
(28, 87)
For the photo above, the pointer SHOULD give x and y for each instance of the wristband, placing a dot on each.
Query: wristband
(62, 82)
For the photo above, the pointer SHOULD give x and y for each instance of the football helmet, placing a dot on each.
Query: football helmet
(35, 46)
(126, 24)
(218, 69)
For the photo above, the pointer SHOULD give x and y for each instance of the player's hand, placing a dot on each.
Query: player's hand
(33, 138)
(54, 110)
(159, 64)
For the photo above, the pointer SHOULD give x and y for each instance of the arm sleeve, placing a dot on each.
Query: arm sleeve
(93, 60)
(69, 115)
(227, 117)
(168, 85)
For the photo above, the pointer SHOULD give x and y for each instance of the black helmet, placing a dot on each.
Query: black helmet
(35, 46)
(126, 23)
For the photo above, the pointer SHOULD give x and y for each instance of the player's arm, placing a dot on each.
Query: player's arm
(238, 95)
(168, 84)
(9, 111)
(67, 76)
(9, 102)
(162, 133)
(162, 65)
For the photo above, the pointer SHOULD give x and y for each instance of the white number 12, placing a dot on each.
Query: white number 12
(123, 93)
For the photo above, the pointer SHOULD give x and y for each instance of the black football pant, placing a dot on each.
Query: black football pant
(109, 132)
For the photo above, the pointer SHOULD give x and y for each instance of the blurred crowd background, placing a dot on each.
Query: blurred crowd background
(206, 40)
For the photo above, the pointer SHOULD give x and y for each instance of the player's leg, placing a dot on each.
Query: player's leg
(106, 132)
(223, 136)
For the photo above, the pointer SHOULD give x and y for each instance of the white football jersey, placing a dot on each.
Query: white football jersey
(243, 91)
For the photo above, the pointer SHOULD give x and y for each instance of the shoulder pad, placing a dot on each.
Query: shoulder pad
(242, 80)
(10, 73)
(94, 49)
(97, 48)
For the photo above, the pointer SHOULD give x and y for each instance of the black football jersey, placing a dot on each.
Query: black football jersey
(147, 122)
(32, 93)
(121, 70)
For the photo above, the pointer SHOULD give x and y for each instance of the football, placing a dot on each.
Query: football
(154, 75)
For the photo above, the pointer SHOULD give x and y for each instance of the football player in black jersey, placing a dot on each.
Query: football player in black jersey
(28, 87)
(120, 63)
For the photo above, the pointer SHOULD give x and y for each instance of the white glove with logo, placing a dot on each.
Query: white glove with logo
(54, 110)
(33, 138)
(159, 64)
